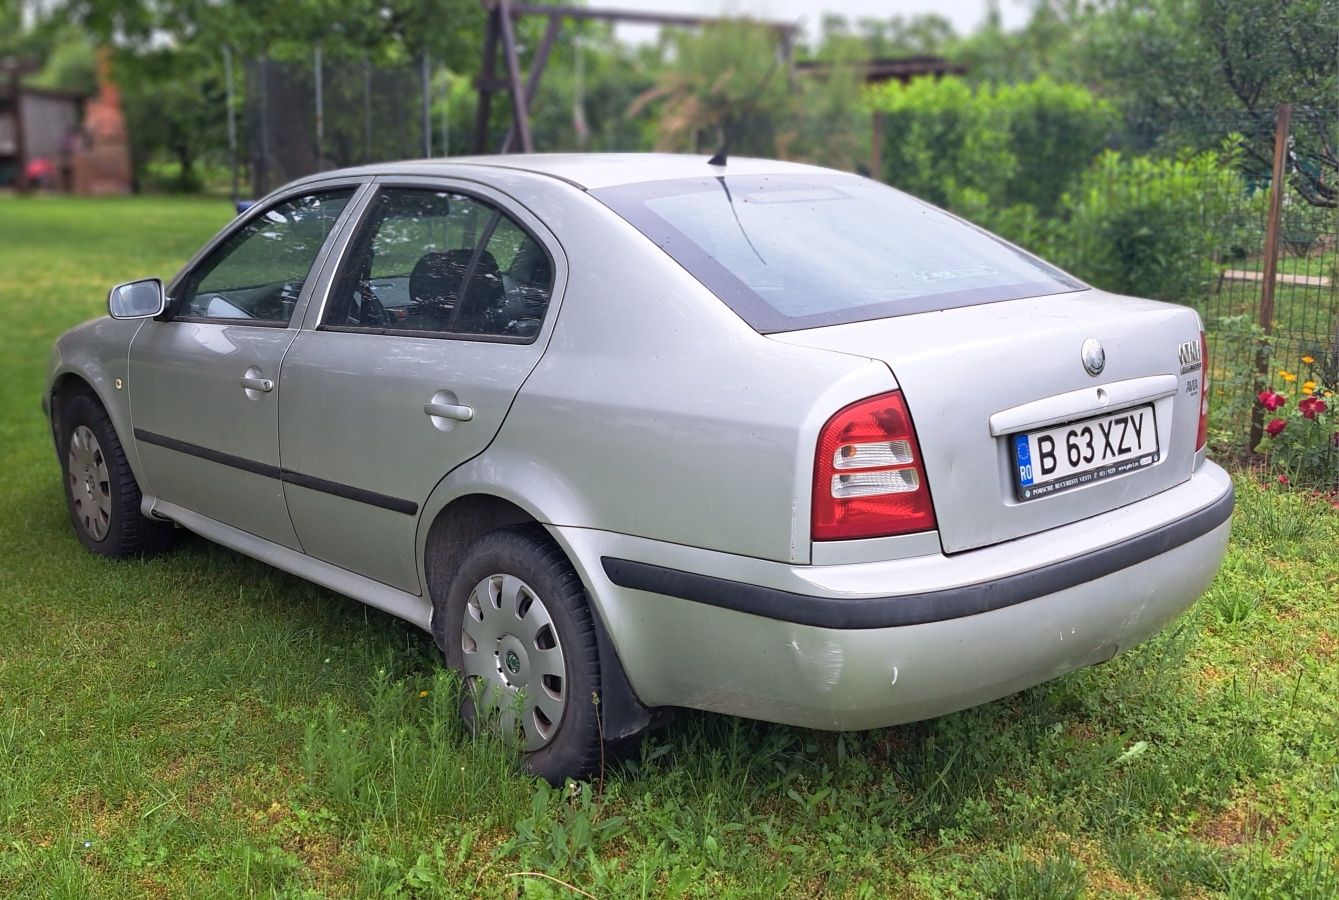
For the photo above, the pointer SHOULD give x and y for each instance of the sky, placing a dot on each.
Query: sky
(964, 14)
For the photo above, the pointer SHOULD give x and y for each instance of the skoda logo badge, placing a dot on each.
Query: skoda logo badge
(1094, 357)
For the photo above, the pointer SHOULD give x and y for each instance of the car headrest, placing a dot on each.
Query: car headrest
(436, 278)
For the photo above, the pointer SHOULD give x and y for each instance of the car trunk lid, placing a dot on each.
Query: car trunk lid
(975, 378)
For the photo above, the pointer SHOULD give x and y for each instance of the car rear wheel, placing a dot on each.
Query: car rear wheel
(516, 626)
(100, 490)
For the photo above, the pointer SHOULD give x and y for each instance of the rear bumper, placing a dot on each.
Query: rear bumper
(898, 610)
(868, 645)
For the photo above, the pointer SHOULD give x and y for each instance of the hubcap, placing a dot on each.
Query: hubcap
(512, 659)
(90, 488)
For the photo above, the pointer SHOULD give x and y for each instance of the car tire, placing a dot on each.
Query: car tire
(516, 625)
(101, 493)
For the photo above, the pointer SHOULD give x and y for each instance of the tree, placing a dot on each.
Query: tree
(172, 101)
(726, 83)
(1176, 60)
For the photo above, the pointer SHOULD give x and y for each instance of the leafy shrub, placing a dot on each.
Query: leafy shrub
(1145, 226)
(1020, 144)
(940, 137)
(1055, 130)
(1236, 343)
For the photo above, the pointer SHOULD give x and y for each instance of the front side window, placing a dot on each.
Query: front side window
(256, 275)
(803, 251)
(441, 263)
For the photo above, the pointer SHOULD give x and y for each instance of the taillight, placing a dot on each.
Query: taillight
(1202, 436)
(868, 477)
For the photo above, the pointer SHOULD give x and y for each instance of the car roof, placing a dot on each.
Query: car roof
(591, 171)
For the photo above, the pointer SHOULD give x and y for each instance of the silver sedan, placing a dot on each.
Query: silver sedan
(635, 432)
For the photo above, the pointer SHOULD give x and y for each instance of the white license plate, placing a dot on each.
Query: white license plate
(1069, 456)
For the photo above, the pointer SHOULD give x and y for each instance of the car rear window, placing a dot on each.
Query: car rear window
(801, 251)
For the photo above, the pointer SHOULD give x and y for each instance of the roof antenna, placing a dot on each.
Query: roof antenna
(720, 158)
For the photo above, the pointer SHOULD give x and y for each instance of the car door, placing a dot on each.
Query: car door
(203, 378)
(440, 308)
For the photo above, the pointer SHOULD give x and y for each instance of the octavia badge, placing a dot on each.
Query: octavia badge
(1094, 357)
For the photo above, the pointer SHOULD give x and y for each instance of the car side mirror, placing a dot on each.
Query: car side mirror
(137, 299)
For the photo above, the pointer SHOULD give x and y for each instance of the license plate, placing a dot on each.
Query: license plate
(1069, 456)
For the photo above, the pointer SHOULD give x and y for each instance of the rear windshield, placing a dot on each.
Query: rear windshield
(802, 251)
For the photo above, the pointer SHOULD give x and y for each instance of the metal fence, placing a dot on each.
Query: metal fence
(1273, 311)
(333, 111)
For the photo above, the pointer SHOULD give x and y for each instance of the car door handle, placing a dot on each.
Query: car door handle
(257, 384)
(449, 411)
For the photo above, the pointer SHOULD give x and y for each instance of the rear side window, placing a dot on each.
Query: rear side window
(441, 264)
(799, 251)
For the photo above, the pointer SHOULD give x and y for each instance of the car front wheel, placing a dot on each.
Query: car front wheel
(517, 627)
(100, 490)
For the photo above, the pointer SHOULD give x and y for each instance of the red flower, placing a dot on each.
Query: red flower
(1283, 480)
(1311, 406)
(1274, 427)
(1270, 400)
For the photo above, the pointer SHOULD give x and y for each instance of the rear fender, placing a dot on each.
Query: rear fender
(549, 500)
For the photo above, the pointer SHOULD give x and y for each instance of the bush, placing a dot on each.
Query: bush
(997, 147)
(940, 138)
(1151, 227)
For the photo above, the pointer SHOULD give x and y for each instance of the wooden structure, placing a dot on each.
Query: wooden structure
(500, 32)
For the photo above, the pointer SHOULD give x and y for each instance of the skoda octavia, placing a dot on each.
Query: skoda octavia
(758, 438)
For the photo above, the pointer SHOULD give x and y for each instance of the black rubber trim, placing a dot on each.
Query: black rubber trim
(916, 609)
(225, 459)
(348, 492)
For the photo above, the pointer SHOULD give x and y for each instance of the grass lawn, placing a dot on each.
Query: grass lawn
(200, 725)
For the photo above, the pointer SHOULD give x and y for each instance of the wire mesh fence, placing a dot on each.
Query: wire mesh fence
(332, 111)
(1274, 327)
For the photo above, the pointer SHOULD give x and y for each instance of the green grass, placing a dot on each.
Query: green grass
(1310, 262)
(200, 725)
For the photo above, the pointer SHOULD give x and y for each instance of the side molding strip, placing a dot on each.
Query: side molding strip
(224, 459)
(916, 609)
(311, 482)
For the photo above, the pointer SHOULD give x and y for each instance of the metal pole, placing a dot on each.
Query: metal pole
(427, 106)
(487, 75)
(446, 118)
(1277, 187)
(876, 147)
(320, 112)
(232, 120)
(261, 177)
(367, 110)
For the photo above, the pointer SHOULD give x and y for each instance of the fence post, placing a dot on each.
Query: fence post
(1278, 186)
(260, 175)
(232, 120)
(320, 111)
(367, 110)
(876, 146)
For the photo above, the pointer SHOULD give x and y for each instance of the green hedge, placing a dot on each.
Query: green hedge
(1012, 144)
(1027, 161)
(1149, 227)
